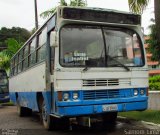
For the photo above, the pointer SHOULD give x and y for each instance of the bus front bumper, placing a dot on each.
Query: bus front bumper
(103, 108)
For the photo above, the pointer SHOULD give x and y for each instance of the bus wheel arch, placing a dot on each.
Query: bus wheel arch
(16, 94)
(40, 99)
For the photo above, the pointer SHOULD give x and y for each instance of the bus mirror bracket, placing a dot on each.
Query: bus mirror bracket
(53, 39)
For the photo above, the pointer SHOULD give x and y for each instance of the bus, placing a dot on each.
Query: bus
(82, 64)
(4, 92)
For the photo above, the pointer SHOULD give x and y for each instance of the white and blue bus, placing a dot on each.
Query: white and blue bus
(82, 63)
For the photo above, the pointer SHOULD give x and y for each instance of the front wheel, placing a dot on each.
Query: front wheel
(46, 118)
(52, 123)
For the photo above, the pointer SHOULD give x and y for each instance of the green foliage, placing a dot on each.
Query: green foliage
(148, 115)
(154, 82)
(12, 39)
(74, 3)
(7, 104)
(153, 42)
(137, 6)
(19, 34)
(47, 13)
(12, 47)
(63, 3)
(78, 3)
(4, 61)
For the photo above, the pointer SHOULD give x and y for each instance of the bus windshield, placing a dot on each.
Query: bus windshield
(3, 82)
(95, 46)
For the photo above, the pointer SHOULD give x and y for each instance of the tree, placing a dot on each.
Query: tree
(78, 3)
(12, 47)
(19, 34)
(137, 6)
(153, 41)
(75, 3)
(4, 61)
(157, 18)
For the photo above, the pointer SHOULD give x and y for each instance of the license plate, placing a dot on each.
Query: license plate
(109, 108)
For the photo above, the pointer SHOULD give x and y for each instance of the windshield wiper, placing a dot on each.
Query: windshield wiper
(118, 63)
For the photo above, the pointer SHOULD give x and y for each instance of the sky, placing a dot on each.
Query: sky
(20, 13)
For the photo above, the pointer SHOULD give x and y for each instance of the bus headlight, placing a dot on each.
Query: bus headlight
(135, 92)
(142, 92)
(75, 95)
(66, 96)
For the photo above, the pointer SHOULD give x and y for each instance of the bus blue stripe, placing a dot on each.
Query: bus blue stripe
(79, 107)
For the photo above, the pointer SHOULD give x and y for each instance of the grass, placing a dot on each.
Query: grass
(154, 90)
(7, 104)
(148, 115)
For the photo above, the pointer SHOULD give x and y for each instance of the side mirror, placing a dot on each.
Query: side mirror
(53, 39)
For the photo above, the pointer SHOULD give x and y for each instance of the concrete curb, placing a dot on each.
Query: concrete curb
(150, 123)
(153, 100)
(145, 122)
(156, 91)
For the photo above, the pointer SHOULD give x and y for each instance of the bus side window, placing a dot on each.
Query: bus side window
(11, 67)
(32, 56)
(19, 63)
(22, 57)
(25, 59)
(42, 38)
(16, 63)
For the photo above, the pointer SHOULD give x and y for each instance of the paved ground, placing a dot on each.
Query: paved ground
(11, 124)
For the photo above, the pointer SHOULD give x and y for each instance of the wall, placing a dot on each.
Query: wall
(154, 100)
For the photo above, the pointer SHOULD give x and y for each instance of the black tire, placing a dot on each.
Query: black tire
(61, 123)
(28, 112)
(52, 123)
(23, 111)
(20, 110)
(109, 119)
